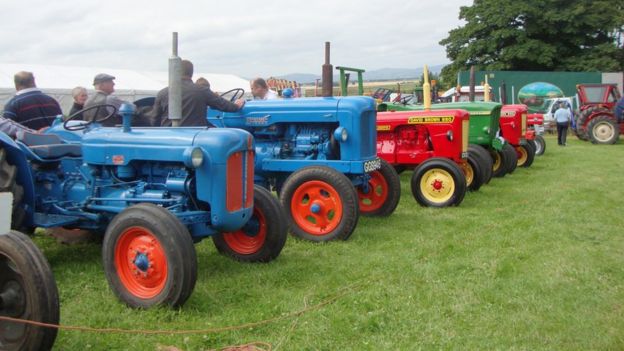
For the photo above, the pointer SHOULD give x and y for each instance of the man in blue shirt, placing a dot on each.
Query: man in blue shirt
(562, 117)
(30, 107)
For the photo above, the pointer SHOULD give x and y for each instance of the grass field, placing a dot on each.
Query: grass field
(533, 261)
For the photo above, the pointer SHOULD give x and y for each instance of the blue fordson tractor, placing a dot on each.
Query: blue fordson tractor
(320, 155)
(153, 192)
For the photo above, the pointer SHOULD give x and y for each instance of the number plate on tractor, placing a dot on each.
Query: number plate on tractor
(464, 154)
(372, 165)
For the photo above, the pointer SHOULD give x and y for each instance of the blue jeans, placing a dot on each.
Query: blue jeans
(562, 132)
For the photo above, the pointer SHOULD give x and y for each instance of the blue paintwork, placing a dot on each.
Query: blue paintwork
(294, 133)
(118, 169)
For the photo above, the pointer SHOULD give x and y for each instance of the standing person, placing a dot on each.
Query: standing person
(260, 90)
(619, 109)
(203, 82)
(80, 97)
(562, 117)
(104, 88)
(30, 107)
(195, 102)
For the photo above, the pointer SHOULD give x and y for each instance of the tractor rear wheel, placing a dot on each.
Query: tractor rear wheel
(320, 203)
(582, 126)
(511, 157)
(525, 154)
(381, 195)
(262, 238)
(149, 257)
(27, 291)
(603, 130)
(438, 182)
(485, 160)
(540, 145)
(8, 183)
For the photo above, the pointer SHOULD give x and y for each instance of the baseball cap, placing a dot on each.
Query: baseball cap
(102, 77)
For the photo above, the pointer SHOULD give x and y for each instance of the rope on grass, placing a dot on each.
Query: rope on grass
(330, 300)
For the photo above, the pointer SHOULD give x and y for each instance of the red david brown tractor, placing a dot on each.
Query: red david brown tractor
(435, 145)
(513, 127)
(153, 192)
(596, 120)
(535, 125)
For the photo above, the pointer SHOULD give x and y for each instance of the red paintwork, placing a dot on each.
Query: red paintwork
(510, 123)
(608, 100)
(404, 139)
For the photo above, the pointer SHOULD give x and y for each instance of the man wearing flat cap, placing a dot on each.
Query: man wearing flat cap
(104, 88)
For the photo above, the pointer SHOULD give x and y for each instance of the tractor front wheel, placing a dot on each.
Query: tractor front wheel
(485, 160)
(149, 257)
(320, 203)
(603, 130)
(381, 195)
(473, 172)
(511, 158)
(262, 238)
(540, 145)
(499, 163)
(525, 154)
(27, 291)
(438, 182)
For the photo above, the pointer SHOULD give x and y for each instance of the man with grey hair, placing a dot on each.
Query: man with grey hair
(260, 90)
(104, 88)
(195, 101)
(80, 97)
(30, 107)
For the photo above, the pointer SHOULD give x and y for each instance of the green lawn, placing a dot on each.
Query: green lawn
(533, 261)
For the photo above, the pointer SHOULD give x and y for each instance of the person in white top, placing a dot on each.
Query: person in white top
(260, 90)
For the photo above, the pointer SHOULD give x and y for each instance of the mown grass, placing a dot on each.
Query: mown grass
(533, 261)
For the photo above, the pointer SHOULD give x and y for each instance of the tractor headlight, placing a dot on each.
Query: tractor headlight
(193, 157)
(449, 135)
(341, 134)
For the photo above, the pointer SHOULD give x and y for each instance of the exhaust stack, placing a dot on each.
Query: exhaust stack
(175, 84)
(328, 79)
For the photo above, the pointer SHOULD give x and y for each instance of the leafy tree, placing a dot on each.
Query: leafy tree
(537, 35)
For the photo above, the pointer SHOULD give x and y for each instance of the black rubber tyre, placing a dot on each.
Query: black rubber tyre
(473, 172)
(603, 130)
(525, 154)
(321, 204)
(27, 291)
(384, 192)
(540, 145)
(511, 158)
(500, 161)
(438, 182)
(8, 183)
(149, 257)
(263, 236)
(485, 160)
(399, 168)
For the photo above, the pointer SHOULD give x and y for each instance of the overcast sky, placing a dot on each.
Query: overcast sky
(246, 38)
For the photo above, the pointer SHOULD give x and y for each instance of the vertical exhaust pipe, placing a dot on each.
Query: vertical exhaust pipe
(328, 79)
(426, 89)
(471, 94)
(175, 84)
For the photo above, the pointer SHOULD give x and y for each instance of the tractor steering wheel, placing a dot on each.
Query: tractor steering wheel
(238, 93)
(84, 125)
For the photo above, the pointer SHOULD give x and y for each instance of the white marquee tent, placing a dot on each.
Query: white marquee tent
(130, 85)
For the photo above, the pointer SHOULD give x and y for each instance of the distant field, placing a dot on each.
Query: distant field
(533, 261)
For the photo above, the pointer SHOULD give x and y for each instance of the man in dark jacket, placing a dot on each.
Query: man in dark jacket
(30, 107)
(195, 102)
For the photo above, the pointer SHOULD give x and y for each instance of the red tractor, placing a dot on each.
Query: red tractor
(596, 120)
(513, 127)
(435, 145)
(535, 126)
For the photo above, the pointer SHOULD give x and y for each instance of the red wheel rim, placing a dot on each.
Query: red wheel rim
(251, 237)
(316, 207)
(377, 194)
(141, 262)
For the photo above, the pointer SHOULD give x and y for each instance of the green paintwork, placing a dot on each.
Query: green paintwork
(484, 117)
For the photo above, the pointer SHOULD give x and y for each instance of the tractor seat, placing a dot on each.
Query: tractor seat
(49, 146)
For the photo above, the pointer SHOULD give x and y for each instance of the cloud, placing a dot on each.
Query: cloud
(246, 38)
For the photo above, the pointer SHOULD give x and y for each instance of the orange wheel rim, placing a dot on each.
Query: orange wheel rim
(522, 155)
(251, 237)
(377, 193)
(141, 262)
(316, 207)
